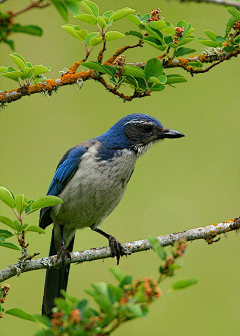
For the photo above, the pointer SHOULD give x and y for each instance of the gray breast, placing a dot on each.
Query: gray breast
(95, 189)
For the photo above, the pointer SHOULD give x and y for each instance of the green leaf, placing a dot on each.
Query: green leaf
(108, 14)
(28, 29)
(21, 314)
(133, 70)
(90, 7)
(100, 68)
(5, 234)
(152, 41)
(89, 37)
(19, 203)
(210, 34)
(115, 293)
(46, 201)
(187, 27)
(86, 18)
(119, 275)
(184, 283)
(158, 25)
(26, 73)
(230, 24)
(127, 280)
(182, 42)
(8, 222)
(71, 29)
(135, 309)
(184, 51)
(159, 80)
(197, 64)
(10, 245)
(175, 78)
(19, 60)
(63, 305)
(153, 68)
(143, 17)
(106, 305)
(61, 8)
(234, 12)
(100, 288)
(14, 75)
(7, 197)
(90, 291)
(157, 247)
(34, 228)
(157, 87)
(101, 22)
(208, 43)
(43, 319)
(157, 34)
(18, 226)
(220, 39)
(72, 5)
(229, 49)
(134, 33)
(96, 40)
(10, 43)
(121, 13)
(3, 69)
(113, 35)
(135, 19)
(40, 69)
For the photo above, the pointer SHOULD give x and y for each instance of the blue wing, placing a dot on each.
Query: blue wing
(66, 168)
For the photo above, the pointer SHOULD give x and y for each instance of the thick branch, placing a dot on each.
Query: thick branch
(48, 86)
(207, 233)
(217, 2)
(213, 55)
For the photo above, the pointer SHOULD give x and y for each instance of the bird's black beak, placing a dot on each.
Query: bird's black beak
(169, 133)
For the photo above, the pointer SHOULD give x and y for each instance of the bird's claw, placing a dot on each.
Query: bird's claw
(63, 252)
(116, 248)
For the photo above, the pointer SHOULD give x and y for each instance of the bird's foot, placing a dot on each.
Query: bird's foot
(63, 252)
(116, 248)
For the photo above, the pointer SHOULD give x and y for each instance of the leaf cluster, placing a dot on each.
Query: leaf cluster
(8, 27)
(116, 304)
(151, 78)
(22, 208)
(27, 72)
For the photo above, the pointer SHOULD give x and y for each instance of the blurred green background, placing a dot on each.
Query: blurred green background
(177, 185)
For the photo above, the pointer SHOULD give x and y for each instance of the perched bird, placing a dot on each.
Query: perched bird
(91, 179)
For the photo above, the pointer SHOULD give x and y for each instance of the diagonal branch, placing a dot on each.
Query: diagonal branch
(217, 2)
(207, 233)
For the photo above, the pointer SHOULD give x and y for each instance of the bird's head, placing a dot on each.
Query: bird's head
(138, 132)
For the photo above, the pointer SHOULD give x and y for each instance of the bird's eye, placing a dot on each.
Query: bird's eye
(147, 128)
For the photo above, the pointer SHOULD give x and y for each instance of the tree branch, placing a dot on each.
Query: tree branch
(207, 233)
(217, 2)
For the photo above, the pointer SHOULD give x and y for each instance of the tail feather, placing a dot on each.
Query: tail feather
(56, 279)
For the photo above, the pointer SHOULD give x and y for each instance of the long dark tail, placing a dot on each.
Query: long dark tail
(56, 279)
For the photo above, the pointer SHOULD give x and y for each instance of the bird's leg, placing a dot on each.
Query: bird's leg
(62, 251)
(116, 247)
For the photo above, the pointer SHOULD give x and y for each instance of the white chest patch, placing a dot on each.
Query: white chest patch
(94, 191)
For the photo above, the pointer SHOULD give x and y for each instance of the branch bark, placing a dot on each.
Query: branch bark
(207, 233)
(217, 2)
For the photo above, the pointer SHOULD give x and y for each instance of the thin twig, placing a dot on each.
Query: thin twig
(36, 4)
(121, 50)
(207, 233)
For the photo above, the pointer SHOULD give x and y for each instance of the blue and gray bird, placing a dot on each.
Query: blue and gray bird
(91, 179)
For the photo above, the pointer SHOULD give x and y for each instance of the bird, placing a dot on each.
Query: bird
(91, 179)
